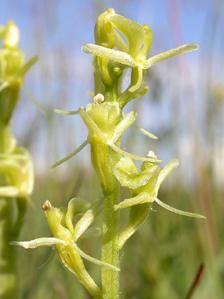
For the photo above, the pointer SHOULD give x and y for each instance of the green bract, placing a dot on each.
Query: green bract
(120, 44)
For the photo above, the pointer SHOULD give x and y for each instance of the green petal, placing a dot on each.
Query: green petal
(147, 133)
(64, 112)
(38, 243)
(8, 191)
(126, 122)
(165, 172)
(128, 175)
(71, 155)
(83, 224)
(133, 156)
(94, 260)
(75, 206)
(179, 212)
(114, 55)
(137, 200)
(170, 53)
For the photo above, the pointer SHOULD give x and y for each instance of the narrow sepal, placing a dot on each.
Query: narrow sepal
(148, 134)
(64, 112)
(177, 211)
(71, 155)
(170, 53)
(40, 242)
(94, 260)
(114, 55)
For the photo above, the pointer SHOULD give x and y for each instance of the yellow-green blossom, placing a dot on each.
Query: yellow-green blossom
(65, 237)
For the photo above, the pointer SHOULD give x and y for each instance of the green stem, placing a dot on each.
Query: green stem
(104, 160)
(10, 225)
(8, 270)
(7, 141)
(110, 249)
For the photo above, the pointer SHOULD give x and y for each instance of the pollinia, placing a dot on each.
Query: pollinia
(120, 44)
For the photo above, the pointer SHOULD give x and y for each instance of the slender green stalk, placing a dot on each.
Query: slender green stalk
(104, 160)
(110, 249)
(6, 138)
(8, 267)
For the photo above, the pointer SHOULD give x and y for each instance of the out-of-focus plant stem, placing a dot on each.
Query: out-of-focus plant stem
(16, 170)
(8, 269)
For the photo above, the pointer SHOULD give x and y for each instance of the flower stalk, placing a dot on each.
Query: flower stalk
(120, 44)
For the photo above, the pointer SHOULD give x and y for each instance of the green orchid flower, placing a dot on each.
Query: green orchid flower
(106, 124)
(122, 43)
(144, 185)
(66, 234)
(12, 70)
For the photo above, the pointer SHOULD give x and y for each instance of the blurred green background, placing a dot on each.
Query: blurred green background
(184, 108)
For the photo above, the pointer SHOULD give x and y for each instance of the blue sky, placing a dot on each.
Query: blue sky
(55, 30)
(73, 20)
